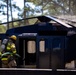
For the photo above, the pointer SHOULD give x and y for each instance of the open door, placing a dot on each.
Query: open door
(27, 51)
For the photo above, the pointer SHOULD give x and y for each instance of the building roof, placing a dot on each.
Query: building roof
(70, 19)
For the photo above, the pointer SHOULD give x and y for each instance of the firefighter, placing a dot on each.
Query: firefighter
(8, 54)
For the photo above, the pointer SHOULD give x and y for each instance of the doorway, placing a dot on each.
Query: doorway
(27, 51)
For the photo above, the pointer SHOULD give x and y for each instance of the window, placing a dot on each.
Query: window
(56, 44)
(31, 46)
(42, 46)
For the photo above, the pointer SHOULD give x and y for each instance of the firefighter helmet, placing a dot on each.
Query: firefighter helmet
(13, 37)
